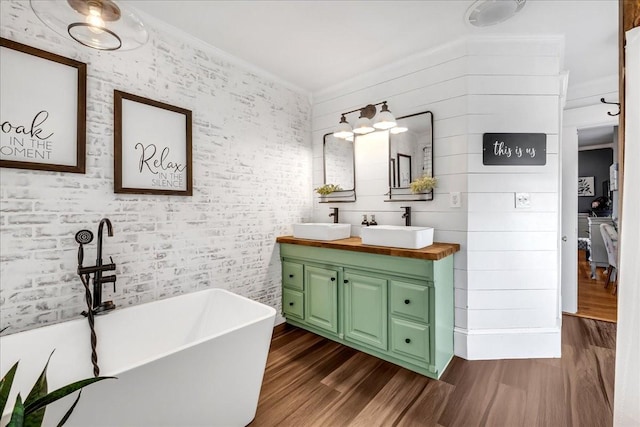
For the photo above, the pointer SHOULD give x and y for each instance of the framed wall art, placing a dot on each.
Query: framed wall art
(586, 186)
(42, 109)
(152, 147)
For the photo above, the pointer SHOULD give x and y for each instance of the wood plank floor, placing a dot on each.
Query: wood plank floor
(312, 381)
(594, 300)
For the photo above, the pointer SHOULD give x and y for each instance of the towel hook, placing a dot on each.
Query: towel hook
(611, 103)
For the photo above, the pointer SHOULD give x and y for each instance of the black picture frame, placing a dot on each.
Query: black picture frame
(49, 131)
(144, 162)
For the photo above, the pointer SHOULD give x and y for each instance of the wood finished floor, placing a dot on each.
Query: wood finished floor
(312, 381)
(594, 301)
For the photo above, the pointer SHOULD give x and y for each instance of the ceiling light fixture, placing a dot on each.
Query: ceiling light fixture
(98, 24)
(364, 125)
(484, 13)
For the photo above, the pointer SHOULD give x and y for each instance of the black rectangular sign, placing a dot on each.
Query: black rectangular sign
(509, 149)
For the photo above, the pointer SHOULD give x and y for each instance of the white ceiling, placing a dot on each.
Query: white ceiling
(315, 45)
(595, 136)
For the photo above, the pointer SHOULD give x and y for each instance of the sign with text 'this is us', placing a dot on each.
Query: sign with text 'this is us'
(514, 149)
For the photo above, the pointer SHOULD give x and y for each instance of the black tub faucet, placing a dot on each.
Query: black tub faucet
(334, 214)
(407, 215)
(85, 237)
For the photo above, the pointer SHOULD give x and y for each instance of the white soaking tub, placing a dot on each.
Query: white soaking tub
(193, 360)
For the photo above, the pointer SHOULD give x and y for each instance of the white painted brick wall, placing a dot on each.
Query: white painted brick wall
(252, 162)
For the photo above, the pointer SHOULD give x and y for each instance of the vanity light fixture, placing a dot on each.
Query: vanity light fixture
(98, 24)
(364, 125)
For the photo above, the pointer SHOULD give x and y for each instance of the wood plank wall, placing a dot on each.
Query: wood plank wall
(506, 275)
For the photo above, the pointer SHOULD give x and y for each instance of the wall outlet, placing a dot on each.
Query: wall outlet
(523, 200)
(454, 200)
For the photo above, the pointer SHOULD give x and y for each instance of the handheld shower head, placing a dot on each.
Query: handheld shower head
(83, 237)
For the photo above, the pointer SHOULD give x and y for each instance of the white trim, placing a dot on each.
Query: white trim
(518, 343)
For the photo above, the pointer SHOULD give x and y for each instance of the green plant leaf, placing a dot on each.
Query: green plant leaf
(17, 416)
(60, 393)
(38, 390)
(68, 414)
(5, 386)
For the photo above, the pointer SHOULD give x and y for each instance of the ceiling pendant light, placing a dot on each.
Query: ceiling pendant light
(98, 24)
(343, 131)
(384, 120)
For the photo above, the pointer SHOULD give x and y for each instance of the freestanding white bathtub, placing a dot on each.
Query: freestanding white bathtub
(193, 360)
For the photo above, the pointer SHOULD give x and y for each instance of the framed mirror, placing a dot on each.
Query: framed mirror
(410, 156)
(339, 169)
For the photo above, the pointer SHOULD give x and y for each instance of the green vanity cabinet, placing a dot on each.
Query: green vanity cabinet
(365, 309)
(397, 308)
(321, 292)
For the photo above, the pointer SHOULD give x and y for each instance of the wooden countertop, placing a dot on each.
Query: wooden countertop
(434, 252)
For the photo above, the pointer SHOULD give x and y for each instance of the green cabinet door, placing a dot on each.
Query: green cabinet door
(321, 298)
(365, 308)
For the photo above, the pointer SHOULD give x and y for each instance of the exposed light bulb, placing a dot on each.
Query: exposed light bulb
(94, 19)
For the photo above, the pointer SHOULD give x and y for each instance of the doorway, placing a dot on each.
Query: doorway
(596, 204)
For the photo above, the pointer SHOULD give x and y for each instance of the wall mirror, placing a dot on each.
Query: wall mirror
(410, 156)
(339, 169)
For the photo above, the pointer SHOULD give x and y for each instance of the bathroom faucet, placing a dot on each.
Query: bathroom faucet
(334, 214)
(98, 279)
(407, 215)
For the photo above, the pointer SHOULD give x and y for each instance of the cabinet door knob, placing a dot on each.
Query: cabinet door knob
(333, 279)
(291, 275)
(407, 340)
(290, 303)
(407, 301)
(346, 281)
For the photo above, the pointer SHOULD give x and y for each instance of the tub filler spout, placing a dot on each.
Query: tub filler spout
(84, 237)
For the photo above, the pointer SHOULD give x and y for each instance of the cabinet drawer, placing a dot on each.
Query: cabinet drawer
(409, 300)
(293, 303)
(410, 341)
(292, 275)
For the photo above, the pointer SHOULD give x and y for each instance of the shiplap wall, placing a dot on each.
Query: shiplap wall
(251, 178)
(506, 275)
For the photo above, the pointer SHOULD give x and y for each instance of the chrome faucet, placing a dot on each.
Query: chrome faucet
(407, 215)
(334, 214)
(84, 237)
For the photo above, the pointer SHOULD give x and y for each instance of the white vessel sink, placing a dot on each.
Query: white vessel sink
(397, 236)
(321, 231)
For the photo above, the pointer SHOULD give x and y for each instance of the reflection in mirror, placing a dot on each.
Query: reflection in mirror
(410, 156)
(339, 169)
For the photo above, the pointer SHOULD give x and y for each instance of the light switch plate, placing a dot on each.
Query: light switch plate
(454, 200)
(523, 200)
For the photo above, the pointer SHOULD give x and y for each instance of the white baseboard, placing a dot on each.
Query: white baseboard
(507, 343)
